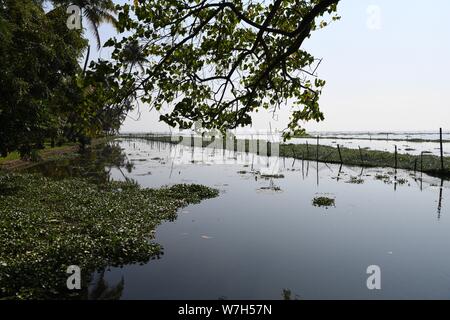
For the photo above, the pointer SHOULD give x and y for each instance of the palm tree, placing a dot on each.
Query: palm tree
(95, 13)
(134, 55)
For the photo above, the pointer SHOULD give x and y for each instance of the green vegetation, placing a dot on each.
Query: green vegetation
(323, 202)
(42, 154)
(383, 177)
(370, 158)
(49, 224)
(50, 98)
(11, 156)
(46, 95)
(428, 163)
(94, 12)
(272, 176)
(251, 53)
(355, 180)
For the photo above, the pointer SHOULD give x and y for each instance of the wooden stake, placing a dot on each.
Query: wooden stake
(396, 158)
(307, 150)
(360, 155)
(293, 151)
(317, 149)
(421, 161)
(340, 155)
(442, 150)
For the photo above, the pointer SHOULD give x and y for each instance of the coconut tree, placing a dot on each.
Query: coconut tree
(134, 55)
(94, 12)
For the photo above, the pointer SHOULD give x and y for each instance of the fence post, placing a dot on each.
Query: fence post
(293, 155)
(317, 149)
(395, 157)
(442, 150)
(340, 155)
(307, 150)
(421, 161)
(360, 155)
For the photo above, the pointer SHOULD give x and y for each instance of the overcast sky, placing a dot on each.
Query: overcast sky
(386, 64)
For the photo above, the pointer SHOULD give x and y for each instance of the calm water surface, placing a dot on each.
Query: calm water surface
(403, 147)
(263, 236)
(381, 141)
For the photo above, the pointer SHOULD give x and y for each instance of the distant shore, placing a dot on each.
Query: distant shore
(426, 163)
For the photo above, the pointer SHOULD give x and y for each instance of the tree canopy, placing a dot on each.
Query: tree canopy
(214, 61)
(219, 61)
(44, 94)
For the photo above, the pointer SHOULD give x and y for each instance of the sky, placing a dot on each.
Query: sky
(386, 63)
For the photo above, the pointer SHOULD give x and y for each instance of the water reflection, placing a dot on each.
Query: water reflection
(95, 164)
(440, 199)
(259, 242)
(287, 295)
(99, 289)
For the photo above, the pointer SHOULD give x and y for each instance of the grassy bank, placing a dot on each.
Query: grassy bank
(13, 158)
(14, 162)
(426, 163)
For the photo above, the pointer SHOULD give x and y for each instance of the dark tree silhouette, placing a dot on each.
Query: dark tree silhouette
(219, 61)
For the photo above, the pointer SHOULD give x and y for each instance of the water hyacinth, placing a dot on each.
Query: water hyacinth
(323, 201)
(47, 225)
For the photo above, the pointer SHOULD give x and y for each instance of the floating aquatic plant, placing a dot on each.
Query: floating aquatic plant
(402, 181)
(274, 176)
(47, 225)
(323, 202)
(355, 180)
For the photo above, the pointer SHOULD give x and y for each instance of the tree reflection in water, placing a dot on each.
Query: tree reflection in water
(287, 295)
(95, 164)
(100, 289)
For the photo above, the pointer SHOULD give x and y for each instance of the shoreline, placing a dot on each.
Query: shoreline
(425, 163)
(45, 155)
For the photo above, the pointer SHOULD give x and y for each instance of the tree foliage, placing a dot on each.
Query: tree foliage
(219, 61)
(38, 57)
(44, 93)
(94, 13)
(214, 61)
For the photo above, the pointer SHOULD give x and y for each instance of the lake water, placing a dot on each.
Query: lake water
(413, 143)
(403, 147)
(262, 238)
